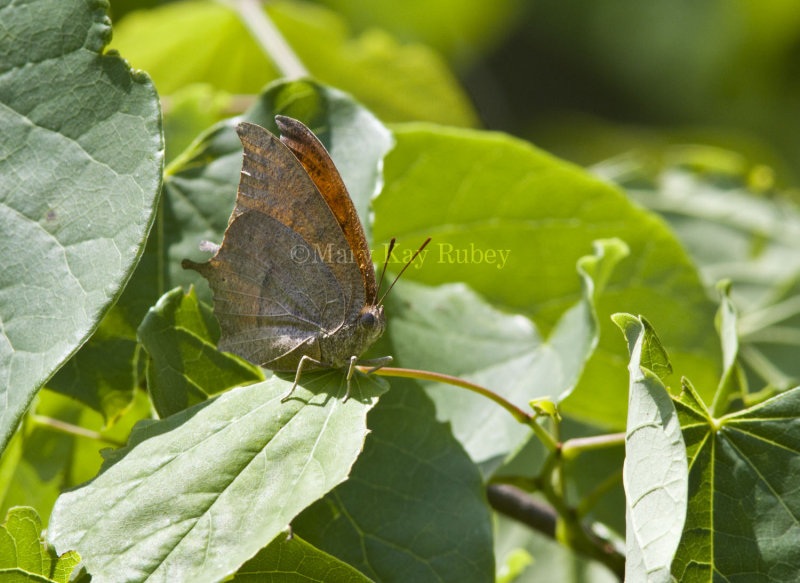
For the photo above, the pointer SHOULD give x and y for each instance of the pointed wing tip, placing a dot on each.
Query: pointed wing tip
(245, 128)
(290, 126)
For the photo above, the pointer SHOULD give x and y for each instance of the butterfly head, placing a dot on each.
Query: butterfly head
(370, 324)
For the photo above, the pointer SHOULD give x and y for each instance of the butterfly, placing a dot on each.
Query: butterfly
(293, 281)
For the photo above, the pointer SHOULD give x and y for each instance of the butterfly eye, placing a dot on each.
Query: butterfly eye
(367, 319)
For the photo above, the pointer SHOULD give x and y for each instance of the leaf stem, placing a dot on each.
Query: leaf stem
(269, 38)
(571, 448)
(518, 414)
(74, 430)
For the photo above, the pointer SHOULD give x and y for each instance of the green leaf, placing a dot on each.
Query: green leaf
(190, 111)
(462, 30)
(737, 234)
(23, 557)
(450, 329)
(486, 191)
(656, 471)
(180, 334)
(201, 184)
(414, 506)
(733, 382)
(743, 520)
(106, 371)
(295, 561)
(193, 482)
(205, 42)
(652, 354)
(81, 159)
(516, 562)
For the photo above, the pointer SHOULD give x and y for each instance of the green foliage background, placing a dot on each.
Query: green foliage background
(627, 155)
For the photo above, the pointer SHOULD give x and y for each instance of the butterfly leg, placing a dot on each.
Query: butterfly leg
(376, 363)
(350, 369)
(300, 366)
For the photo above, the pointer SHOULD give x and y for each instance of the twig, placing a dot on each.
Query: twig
(74, 430)
(269, 38)
(518, 505)
(515, 504)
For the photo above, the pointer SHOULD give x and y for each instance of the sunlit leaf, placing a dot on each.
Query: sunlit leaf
(194, 482)
(81, 161)
(656, 471)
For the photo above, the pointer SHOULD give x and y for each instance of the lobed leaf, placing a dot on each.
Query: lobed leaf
(743, 517)
(23, 557)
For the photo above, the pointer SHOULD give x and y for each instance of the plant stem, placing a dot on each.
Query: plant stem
(518, 505)
(269, 38)
(514, 503)
(74, 430)
(571, 448)
(516, 412)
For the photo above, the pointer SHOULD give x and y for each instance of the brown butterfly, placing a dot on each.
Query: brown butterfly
(293, 281)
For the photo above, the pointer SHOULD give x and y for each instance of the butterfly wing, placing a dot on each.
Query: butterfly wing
(320, 167)
(274, 183)
(272, 292)
(284, 272)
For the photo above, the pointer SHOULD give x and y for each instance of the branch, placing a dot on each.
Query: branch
(515, 504)
(518, 505)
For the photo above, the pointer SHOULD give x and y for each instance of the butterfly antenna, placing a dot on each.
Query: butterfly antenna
(428, 240)
(385, 263)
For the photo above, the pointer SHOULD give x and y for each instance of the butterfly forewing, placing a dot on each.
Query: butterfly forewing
(321, 169)
(274, 183)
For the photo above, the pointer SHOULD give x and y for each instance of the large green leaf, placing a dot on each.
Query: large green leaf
(486, 191)
(737, 234)
(180, 334)
(656, 471)
(202, 41)
(414, 507)
(81, 161)
(502, 352)
(743, 521)
(219, 480)
(23, 557)
(293, 560)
